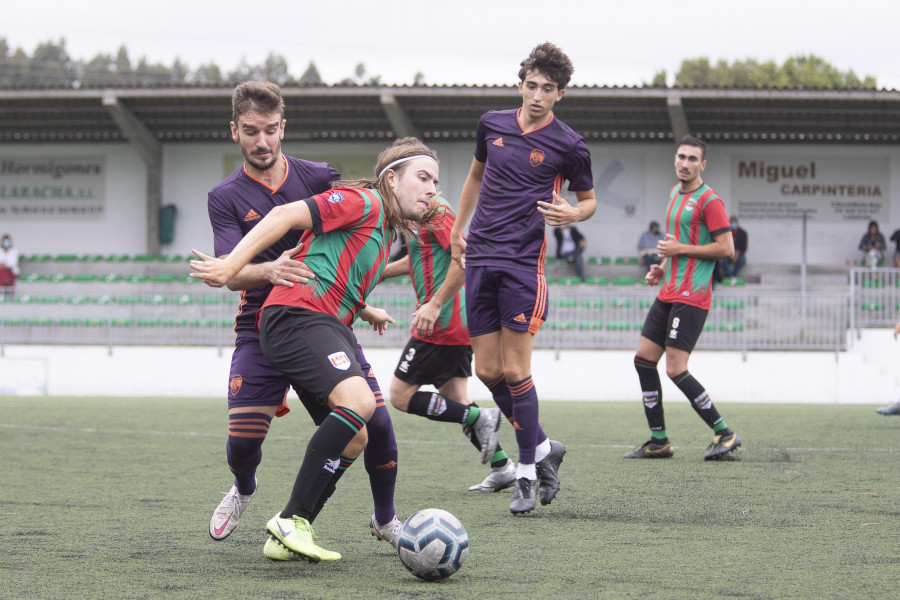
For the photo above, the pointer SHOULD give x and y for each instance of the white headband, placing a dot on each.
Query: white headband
(403, 160)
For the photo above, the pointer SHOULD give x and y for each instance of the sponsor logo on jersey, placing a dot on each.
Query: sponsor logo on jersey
(234, 386)
(520, 318)
(339, 361)
(252, 216)
(498, 142)
(336, 198)
(536, 157)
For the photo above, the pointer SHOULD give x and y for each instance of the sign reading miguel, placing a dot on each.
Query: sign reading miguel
(52, 187)
(826, 188)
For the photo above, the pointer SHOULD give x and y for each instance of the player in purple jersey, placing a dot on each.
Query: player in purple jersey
(304, 329)
(256, 390)
(521, 159)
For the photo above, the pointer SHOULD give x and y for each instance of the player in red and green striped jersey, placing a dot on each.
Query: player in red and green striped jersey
(698, 233)
(304, 329)
(439, 353)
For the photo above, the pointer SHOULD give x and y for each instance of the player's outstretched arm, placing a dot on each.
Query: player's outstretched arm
(397, 268)
(216, 272)
(283, 271)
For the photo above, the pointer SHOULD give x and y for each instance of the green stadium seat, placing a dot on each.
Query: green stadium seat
(78, 300)
(551, 260)
(626, 261)
(592, 260)
(869, 282)
(210, 300)
(111, 278)
(162, 278)
(84, 278)
(149, 322)
(620, 303)
(605, 260)
(227, 323)
(709, 326)
(104, 299)
(67, 258)
(624, 281)
(32, 278)
(401, 301)
(143, 258)
(137, 278)
(597, 280)
(50, 299)
(156, 300)
(645, 303)
(731, 326)
(175, 322)
(568, 280)
(593, 303)
(92, 258)
(184, 300)
(96, 322)
(59, 278)
(118, 258)
(128, 300)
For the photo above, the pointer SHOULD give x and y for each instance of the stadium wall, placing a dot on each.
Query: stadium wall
(631, 180)
(865, 374)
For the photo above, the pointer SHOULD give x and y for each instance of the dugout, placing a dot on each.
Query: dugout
(91, 170)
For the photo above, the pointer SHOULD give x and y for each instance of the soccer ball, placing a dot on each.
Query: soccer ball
(433, 544)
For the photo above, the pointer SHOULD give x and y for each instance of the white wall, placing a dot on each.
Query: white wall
(191, 169)
(865, 374)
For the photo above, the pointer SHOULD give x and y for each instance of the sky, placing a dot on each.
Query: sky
(479, 42)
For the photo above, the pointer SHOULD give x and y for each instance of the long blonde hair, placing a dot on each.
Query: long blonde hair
(401, 148)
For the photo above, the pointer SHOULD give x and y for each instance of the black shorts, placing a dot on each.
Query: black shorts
(315, 351)
(424, 363)
(674, 324)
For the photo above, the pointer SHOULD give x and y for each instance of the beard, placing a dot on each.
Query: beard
(262, 166)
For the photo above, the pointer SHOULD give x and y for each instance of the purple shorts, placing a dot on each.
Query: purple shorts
(497, 297)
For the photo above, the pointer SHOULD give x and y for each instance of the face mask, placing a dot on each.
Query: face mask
(7, 244)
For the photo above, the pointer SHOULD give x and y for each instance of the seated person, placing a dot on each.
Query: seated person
(9, 265)
(895, 237)
(730, 268)
(570, 245)
(872, 245)
(647, 246)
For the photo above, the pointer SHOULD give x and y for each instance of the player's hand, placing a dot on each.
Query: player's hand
(557, 213)
(286, 271)
(896, 330)
(214, 272)
(458, 249)
(654, 275)
(424, 319)
(668, 247)
(378, 318)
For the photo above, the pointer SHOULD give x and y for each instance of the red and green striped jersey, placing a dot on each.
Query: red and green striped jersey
(694, 218)
(429, 259)
(347, 249)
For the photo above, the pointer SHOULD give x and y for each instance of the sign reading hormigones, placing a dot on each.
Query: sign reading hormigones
(52, 187)
(826, 188)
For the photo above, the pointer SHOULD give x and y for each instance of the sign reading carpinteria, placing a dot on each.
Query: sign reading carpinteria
(52, 187)
(834, 189)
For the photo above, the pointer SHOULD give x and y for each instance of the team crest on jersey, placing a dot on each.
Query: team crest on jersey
(536, 157)
(339, 360)
(336, 197)
(234, 386)
(691, 204)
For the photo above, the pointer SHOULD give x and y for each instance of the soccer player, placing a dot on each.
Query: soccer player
(522, 157)
(304, 329)
(698, 233)
(257, 391)
(438, 352)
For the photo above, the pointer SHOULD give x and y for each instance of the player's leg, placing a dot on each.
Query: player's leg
(256, 395)
(686, 324)
(646, 359)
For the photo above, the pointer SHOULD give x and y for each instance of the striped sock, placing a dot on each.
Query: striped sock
(246, 433)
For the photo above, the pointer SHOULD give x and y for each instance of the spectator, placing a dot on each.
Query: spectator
(872, 246)
(895, 237)
(9, 265)
(570, 245)
(647, 253)
(733, 266)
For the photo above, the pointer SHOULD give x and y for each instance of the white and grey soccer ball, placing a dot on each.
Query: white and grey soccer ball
(433, 544)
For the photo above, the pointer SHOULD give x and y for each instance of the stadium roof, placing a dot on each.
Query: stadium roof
(349, 113)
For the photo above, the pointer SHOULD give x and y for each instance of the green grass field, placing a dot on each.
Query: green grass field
(110, 498)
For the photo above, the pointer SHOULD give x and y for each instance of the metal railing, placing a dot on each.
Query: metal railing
(875, 297)
(581, 316)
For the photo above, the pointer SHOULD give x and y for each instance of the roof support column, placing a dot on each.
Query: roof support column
(399, 120)
(150, 150)
(677, 118)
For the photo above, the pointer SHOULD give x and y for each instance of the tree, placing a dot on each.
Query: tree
(311, 75)
(207, 75)
(419, 78)
(51, 65)
(99, 72)
(797, 72)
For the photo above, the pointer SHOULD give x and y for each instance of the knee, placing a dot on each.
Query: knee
(672, 372)
(357, 444)
(399, 399)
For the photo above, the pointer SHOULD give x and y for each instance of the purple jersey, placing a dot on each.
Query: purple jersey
(237, 204)
(521, 168)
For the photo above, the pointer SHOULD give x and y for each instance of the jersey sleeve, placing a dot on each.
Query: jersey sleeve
(337, 209)
(481, 140)
(226, 228)
(578, 168)
(715, 216)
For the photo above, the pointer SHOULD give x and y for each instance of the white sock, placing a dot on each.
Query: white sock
(542, 450)
(527, 471)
